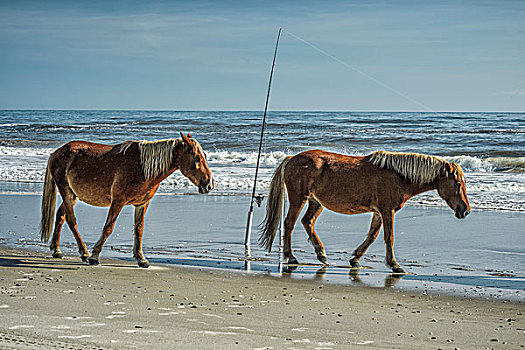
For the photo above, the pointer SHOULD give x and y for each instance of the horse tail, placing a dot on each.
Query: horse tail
(48, 205)
(273, 207)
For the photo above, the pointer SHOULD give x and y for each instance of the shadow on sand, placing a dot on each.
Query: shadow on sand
(39, 262)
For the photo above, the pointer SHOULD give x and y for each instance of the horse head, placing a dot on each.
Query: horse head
(194, 166)
(451, 187)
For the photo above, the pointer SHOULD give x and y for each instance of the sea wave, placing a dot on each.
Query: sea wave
(490, 164)
(245, 158)
(24, 152)
(272, 159)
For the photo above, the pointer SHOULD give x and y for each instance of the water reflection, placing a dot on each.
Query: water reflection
(328, 273)
(390, 279)
(321, 272)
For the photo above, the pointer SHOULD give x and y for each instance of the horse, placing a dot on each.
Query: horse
(380, 183)
(115, 176)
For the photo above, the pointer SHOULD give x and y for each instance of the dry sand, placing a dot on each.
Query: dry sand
(49, 303)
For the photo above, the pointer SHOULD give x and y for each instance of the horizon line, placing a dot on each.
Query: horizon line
(256, 110)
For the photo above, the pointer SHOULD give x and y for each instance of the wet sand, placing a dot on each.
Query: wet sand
(50, 303)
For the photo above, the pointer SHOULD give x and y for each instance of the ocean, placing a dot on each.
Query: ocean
(490, 147)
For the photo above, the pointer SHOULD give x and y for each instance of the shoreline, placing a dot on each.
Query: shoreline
(118, 305)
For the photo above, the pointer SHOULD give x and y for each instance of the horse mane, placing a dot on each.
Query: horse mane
(156, 157)
(417, 168)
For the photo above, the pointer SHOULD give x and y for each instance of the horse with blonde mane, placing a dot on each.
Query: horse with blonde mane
(115, 175)
(380, 183)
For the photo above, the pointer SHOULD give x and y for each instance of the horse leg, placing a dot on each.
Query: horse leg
(289, 223)
(55, 240)
(68, 202)
(114, 211)
(388, 229)
(312, 213)
(140, 212)
(373, 232)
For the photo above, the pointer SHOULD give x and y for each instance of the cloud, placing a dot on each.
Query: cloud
(513, 92)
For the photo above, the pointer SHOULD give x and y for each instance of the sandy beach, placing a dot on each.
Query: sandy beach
(200, 294)
(48, 303)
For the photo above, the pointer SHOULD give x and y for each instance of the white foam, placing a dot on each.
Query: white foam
(74, 336)
(22, 326)
(366, 342)
(92, 324)
(299, 329)
(140, 331)
(110, 317)
(245, 158)
(490, 164)
(240, 328)
(214, 333)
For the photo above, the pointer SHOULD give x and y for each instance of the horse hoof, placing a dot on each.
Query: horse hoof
(398, 269)
(84, 259)
(143, 264)
(355, 263)
(292, 260)
(58, 255)
(290, 269)
(322, 258)
(93, 261)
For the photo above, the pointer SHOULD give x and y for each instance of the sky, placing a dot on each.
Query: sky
(217, 55)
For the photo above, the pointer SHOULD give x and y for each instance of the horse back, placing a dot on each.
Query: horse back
(317, 163)
(81, 153)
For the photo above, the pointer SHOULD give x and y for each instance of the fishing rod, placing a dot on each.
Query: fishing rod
(259, 198)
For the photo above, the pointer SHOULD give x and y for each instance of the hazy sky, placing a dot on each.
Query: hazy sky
(202, 55)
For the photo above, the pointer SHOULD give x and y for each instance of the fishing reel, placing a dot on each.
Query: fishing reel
(259, 199)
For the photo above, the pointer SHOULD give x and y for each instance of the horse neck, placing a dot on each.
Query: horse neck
(176, 158)
(413, 189)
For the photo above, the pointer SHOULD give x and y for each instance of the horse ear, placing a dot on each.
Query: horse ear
(189, 136)
(185, 138)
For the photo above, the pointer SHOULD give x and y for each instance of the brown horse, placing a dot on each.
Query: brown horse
(380, 183)
(115, 175)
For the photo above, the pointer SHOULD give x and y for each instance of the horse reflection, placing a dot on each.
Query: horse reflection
(390, 279)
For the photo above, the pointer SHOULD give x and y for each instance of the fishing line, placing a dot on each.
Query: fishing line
(355, 69)
(259, 199)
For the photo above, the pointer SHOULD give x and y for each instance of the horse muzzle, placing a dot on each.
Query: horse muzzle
(461, 213)
(206, 187)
